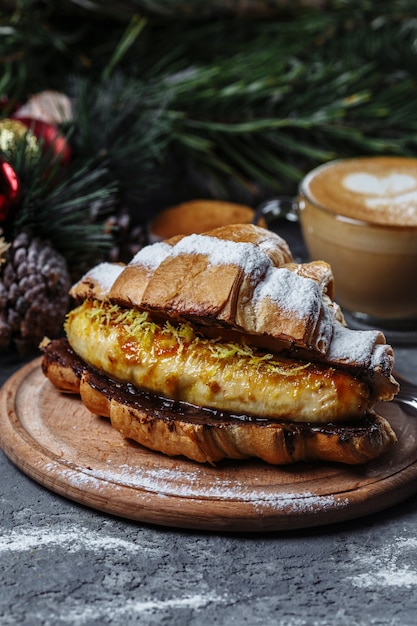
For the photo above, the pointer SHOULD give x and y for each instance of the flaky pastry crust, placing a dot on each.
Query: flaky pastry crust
(240, 293)
(243, 280)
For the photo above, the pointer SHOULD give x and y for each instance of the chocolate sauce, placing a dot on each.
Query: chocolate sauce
(169, 410)
(59, 351)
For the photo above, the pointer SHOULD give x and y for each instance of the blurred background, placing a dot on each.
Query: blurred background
(112, 111)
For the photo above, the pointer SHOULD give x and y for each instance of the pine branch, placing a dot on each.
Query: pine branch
(322, 99)
(69, 208)
(124, 123)
(266, 99)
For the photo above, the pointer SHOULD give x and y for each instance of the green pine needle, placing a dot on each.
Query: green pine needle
(125, 124)
(68, 207)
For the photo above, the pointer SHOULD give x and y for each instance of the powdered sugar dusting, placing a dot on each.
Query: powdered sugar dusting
(104, 274)
(70, 539)
(222, 252)
(269, 246)
(382, 358)
(296, 295)
(249, 257)
(187, 484)
(324, 327)
(354, 346)
(74, 539)
(77, 614)
(152, 256)
(382, 565)
(122, 609)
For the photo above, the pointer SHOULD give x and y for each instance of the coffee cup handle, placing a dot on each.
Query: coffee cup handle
(277, 208)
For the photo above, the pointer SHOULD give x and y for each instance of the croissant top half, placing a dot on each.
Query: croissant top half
(242, 280)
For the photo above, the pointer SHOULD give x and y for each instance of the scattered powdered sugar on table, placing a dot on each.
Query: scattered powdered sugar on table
(72, 538)
(75, 613)
(383, 568)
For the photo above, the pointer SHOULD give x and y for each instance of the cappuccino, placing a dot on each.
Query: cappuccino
(360, 215)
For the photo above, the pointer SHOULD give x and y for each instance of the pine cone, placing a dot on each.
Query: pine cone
(34, 285)
(129, 239)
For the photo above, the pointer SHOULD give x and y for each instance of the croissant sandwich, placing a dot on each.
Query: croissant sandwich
(219, 346)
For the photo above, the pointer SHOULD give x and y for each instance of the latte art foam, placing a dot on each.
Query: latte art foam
(381, 190)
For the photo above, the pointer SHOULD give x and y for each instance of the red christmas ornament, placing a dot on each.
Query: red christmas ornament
(9, 189)
(51, 137)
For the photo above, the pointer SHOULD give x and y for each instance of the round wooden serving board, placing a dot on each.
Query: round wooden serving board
(54, 439)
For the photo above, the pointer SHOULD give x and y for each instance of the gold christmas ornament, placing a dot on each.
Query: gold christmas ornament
(12, 133)
(4, 246)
